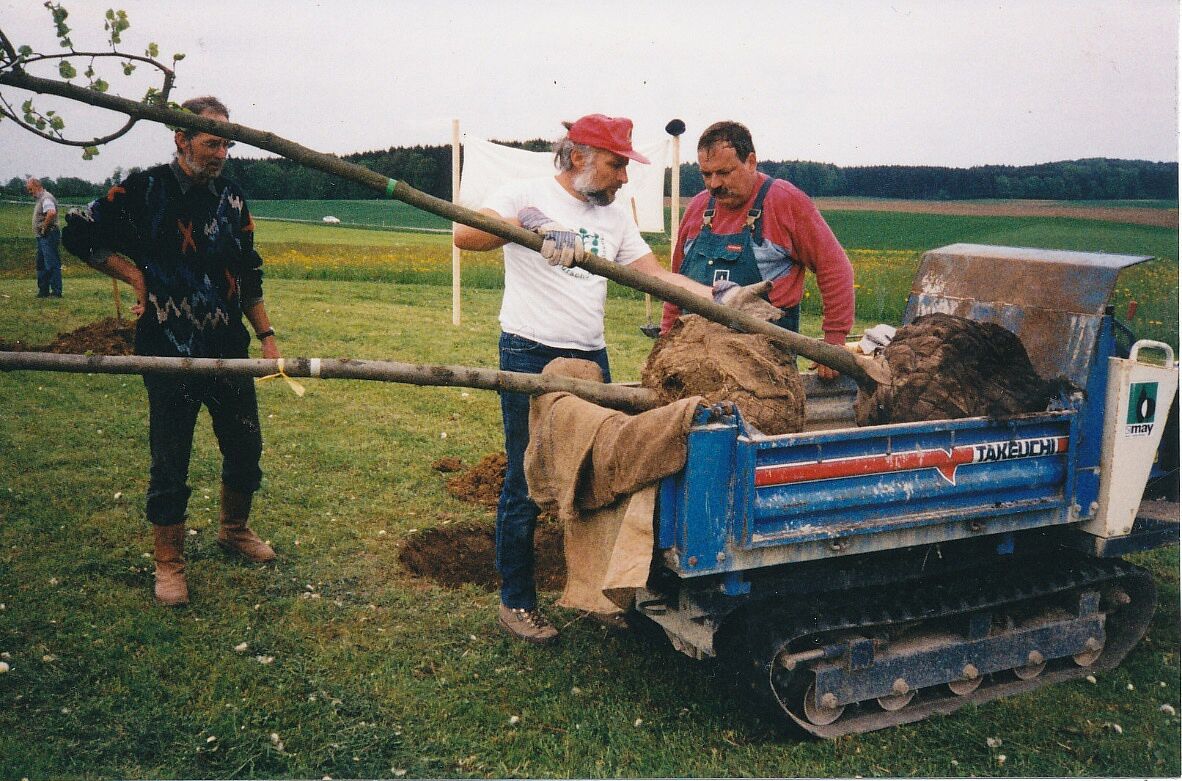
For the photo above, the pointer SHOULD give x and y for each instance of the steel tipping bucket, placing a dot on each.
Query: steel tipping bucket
(1054, 300)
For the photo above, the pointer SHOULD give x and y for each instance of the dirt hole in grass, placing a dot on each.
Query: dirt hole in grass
(104, 337)
(453, 556)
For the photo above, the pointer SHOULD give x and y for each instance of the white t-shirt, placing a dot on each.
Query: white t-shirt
(561, 307)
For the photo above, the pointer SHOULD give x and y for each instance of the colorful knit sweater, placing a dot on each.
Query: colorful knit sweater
(194, 244)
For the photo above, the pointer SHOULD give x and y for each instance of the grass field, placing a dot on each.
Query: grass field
(884, 247)
(355, 669)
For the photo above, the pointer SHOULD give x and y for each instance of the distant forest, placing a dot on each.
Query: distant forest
(428, 168)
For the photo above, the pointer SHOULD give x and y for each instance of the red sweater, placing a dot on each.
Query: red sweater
(792, 221)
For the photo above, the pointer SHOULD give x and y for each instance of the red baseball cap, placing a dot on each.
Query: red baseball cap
(611, 133)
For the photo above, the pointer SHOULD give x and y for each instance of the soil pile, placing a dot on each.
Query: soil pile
(105, 337)
(448, 464)
(698, 357)
(481, 484)
(456, 555)
(945, 367)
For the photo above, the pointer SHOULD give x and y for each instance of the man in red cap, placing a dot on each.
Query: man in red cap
(552, 308)
(746, 228)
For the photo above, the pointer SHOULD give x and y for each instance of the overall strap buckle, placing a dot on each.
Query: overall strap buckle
(752, 217)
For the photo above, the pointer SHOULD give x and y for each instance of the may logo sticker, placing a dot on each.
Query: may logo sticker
(1142, 409)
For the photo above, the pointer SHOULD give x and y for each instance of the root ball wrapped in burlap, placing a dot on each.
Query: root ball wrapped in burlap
(697, 357)
(945, 367)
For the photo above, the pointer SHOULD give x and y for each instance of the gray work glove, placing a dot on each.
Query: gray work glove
(560, 245)
(748, 299)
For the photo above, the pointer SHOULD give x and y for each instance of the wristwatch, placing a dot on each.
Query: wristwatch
(264, 334)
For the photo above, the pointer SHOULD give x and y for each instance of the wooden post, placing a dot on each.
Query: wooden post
(455, 198)
(675, 199)
(621, 397)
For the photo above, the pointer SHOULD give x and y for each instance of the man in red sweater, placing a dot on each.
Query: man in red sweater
(746, 227)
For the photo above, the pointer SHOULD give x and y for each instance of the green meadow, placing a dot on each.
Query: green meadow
(335, 661)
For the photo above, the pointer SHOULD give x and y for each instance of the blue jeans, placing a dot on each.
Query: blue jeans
(49, 263)
(516, 512)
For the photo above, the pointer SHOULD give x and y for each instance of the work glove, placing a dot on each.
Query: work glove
(560, 245)
(747, 299)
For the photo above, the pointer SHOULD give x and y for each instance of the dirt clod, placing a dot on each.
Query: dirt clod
(697, 357)
(105, 337)
(946, 367)
(482, 483)
(453, 556)
(448, 464)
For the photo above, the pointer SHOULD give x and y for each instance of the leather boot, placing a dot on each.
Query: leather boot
(234, 535)
(171, 588)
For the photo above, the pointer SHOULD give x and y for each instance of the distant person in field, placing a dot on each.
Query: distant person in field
(554, 309)
(181, 236)
(49, 261)
(746, 227)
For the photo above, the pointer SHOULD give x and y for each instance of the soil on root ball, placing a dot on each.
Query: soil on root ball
(697, 357)
(945, 367)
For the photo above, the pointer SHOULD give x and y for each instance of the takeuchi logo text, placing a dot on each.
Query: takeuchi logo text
(944, 461)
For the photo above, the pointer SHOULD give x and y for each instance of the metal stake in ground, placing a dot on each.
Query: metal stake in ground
(866, 372)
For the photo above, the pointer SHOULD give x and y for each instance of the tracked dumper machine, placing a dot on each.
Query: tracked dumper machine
(860, 578)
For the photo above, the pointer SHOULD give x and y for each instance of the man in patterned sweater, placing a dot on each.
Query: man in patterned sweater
(182, 237)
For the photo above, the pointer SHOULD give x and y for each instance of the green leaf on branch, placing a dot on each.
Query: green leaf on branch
(153, 50)
(100, 86)
(57, 123)
(25, 51)
(66, 70)
(178, 57)
(89, 152)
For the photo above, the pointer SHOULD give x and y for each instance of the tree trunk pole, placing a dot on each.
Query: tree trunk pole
(867, 373)
(621, 397)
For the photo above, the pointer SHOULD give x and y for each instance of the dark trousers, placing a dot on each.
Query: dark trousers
(49, 263)
(516, 513)
(173, 404)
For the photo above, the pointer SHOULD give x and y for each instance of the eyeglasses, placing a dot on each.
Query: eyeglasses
(214, 144)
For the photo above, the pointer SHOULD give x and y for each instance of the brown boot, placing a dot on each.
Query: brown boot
(171, 588)
(234, 535)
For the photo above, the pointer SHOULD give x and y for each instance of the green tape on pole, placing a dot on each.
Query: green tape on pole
(390, 185)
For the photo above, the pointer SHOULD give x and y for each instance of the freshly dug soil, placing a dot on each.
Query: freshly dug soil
(105, 337)
(698, 357)
(482, 483)
(455, 555)
(946, 367)
(448, 464)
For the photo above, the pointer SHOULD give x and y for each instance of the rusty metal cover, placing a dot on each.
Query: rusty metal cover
(1052, 299)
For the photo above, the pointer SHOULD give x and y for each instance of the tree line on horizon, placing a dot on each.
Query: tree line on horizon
(428, 168)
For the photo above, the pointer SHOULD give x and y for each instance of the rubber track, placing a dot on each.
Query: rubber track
(943, 597)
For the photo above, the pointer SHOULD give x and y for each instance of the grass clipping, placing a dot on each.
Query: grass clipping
(945, 367)
(697, 357)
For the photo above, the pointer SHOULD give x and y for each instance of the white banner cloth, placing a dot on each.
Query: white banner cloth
(488, 165)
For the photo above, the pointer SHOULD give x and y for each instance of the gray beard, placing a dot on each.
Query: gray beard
(582, 184)
(202, 174)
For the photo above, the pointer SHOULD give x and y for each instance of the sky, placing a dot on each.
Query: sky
(850, 82)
